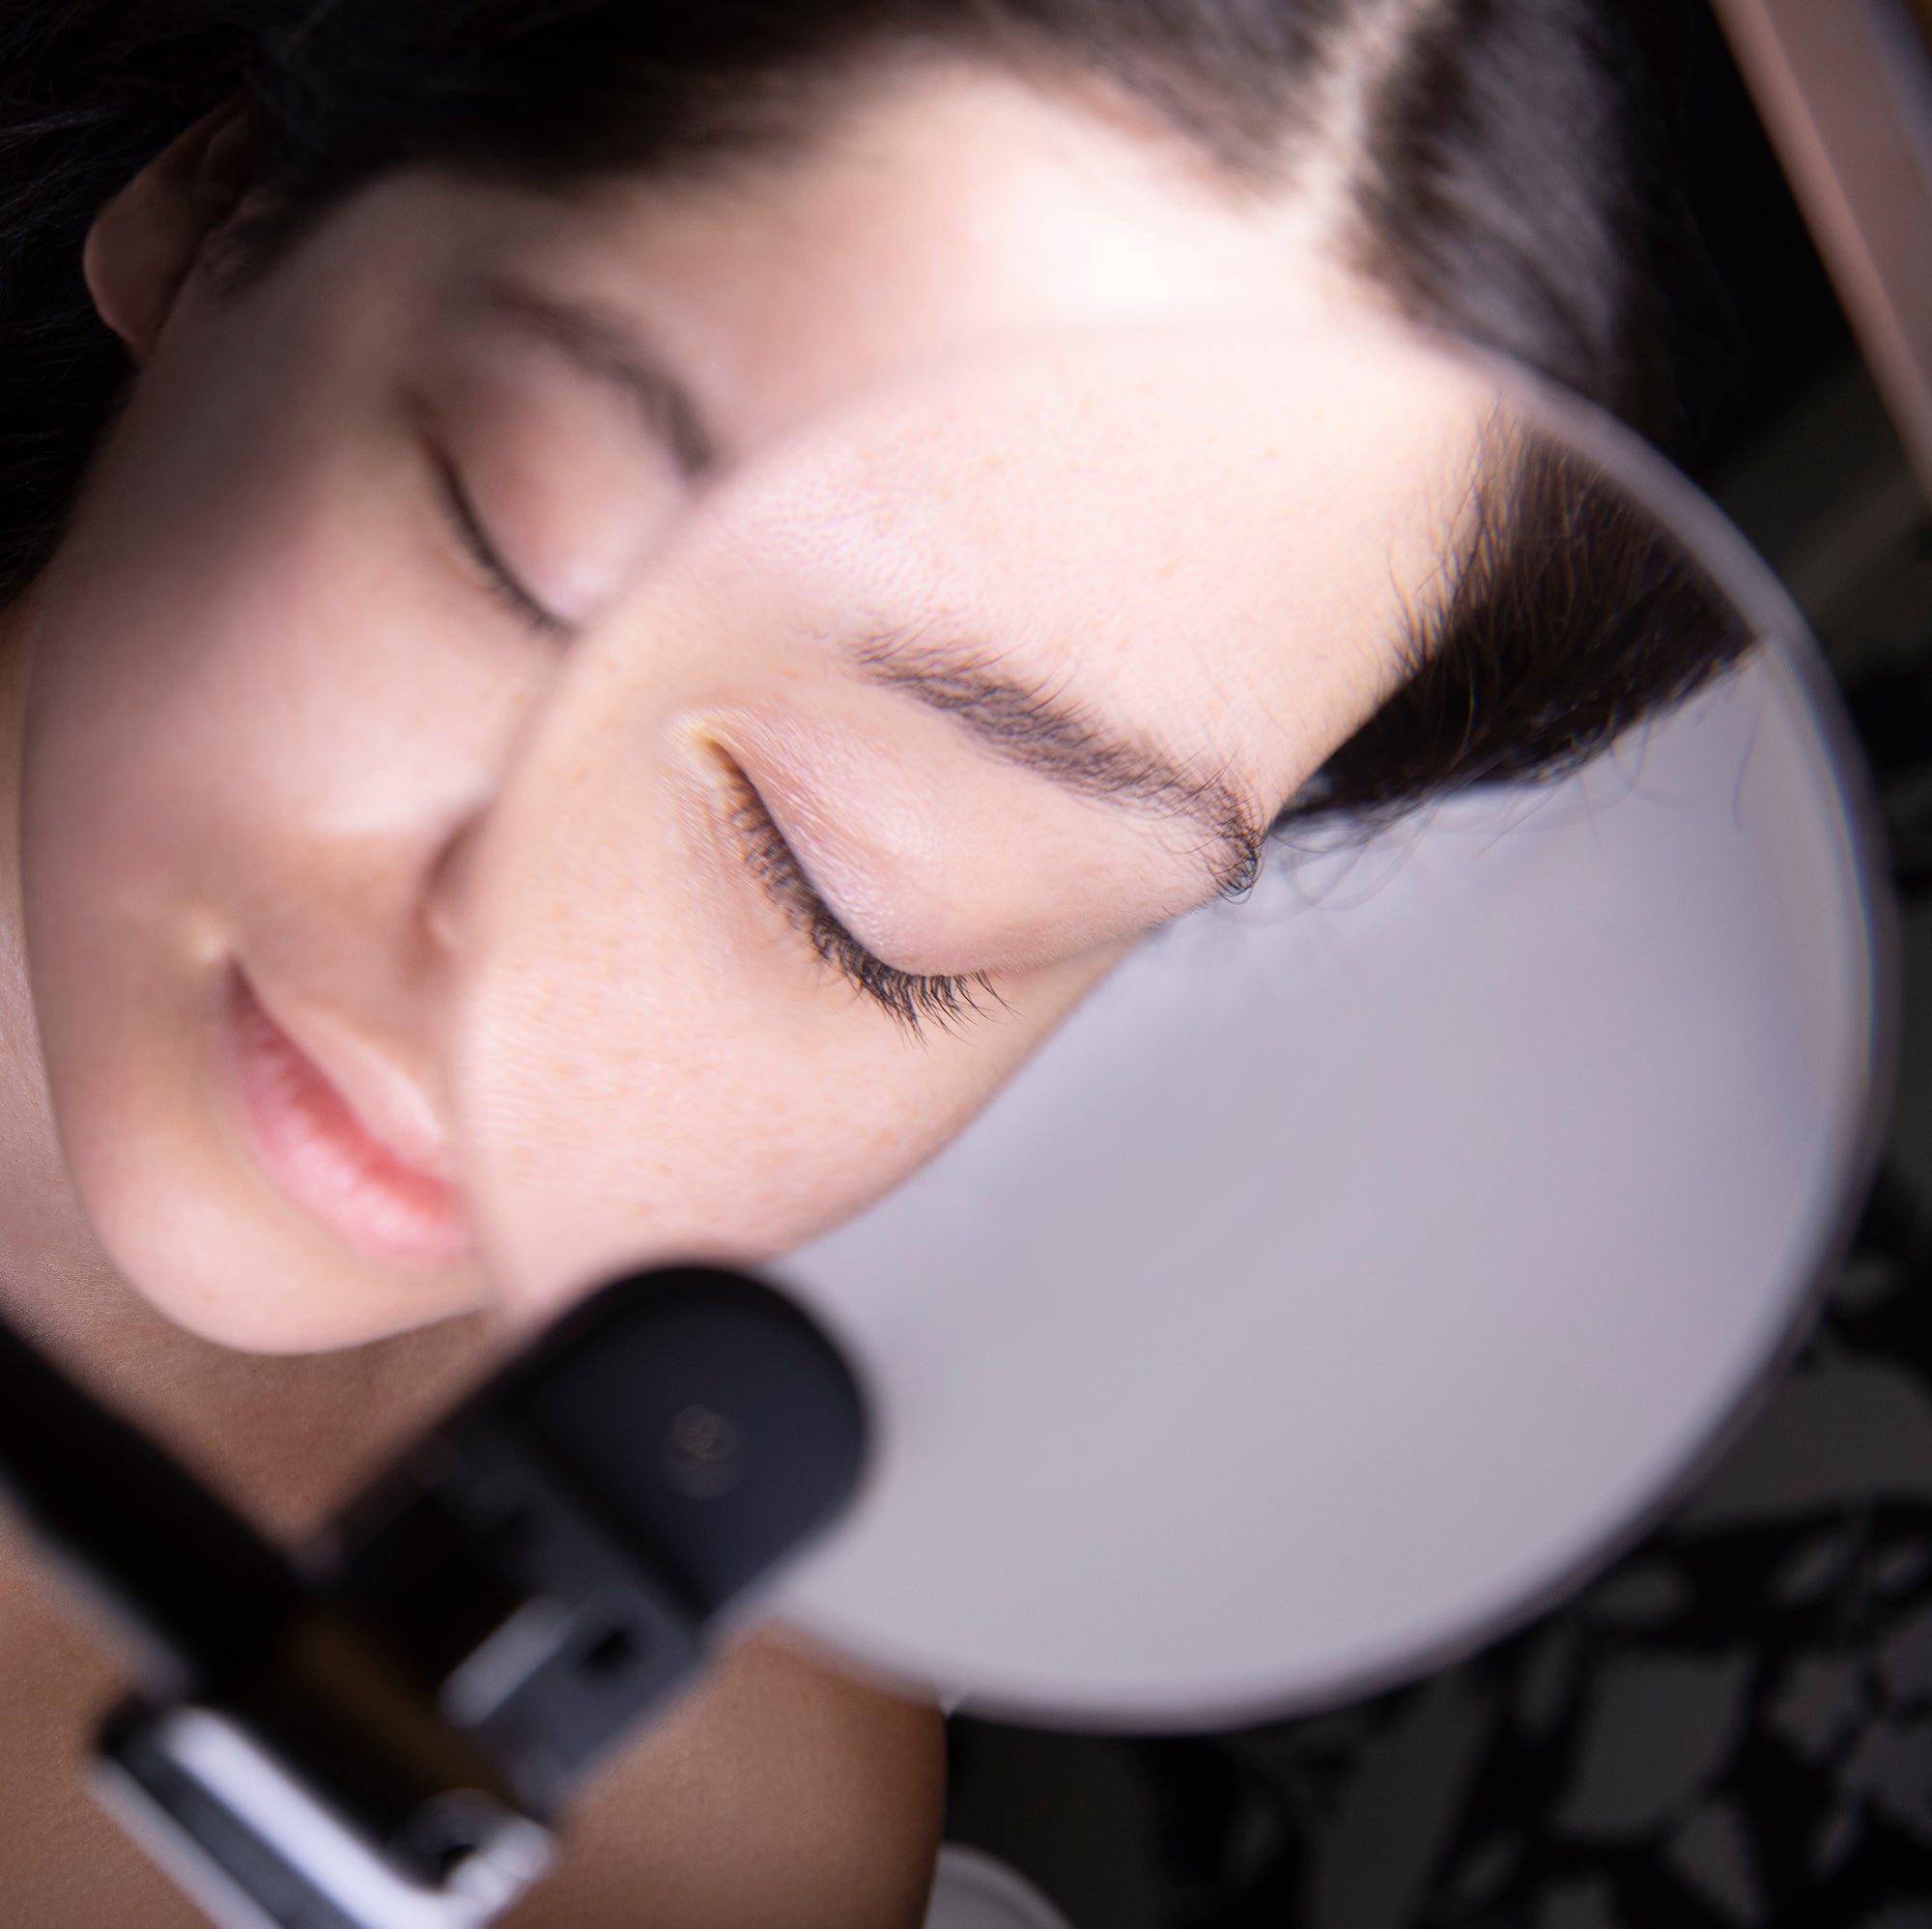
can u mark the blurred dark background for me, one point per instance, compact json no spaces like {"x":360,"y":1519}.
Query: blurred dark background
{"x":1754,"y":317}
{"x":1733,"y":1726}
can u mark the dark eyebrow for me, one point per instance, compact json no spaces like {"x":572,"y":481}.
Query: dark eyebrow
{"x":1045,"y":731}
{"x":610,"y":350}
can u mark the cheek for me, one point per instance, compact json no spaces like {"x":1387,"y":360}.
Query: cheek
{"x":680,"y":1127}
{"x":593,"y":1165}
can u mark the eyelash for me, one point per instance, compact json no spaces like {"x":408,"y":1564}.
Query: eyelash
{"x":497,"y":576}
{"x":911,"y":999}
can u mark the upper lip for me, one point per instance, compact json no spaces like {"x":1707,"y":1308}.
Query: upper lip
{"x":386,"y":1100}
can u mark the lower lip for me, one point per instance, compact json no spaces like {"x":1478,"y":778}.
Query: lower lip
{"x":316,"y":1151}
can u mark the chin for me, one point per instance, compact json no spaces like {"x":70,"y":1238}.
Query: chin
{"x":311,"y":1317}
{"x":237,"y":1276}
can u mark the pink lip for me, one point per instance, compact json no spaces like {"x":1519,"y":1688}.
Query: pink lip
{"x":321,"y":1155}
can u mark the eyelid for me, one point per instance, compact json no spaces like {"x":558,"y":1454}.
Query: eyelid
{"x":498,"y":577}
{"x":908,"y":998}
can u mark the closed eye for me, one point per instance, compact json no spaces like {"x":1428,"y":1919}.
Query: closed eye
{"x":911,"y":999}
{"x":499,"y":580}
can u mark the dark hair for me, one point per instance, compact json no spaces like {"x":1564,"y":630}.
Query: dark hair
{"x":1486,"y":169}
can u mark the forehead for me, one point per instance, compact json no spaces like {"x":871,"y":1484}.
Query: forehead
{"x":934,"y":213}
{"x":1223,"y":525}
{"x":1216,"y":538}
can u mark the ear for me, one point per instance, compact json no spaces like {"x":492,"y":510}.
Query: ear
{"x":147,"y":240}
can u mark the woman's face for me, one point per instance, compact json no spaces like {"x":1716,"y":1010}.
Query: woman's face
{"x":559,"y":737}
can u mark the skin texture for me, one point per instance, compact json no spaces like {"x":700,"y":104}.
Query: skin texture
{"x":276,"y":742}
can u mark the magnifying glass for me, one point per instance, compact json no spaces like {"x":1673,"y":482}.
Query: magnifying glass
{"x":1240,"y":1316}
{"x":1366,"y":1259}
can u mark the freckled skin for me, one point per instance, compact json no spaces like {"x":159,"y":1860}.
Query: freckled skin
{"x":267,"y":712}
